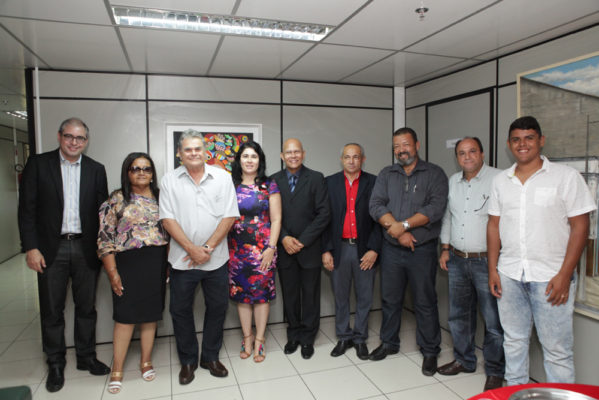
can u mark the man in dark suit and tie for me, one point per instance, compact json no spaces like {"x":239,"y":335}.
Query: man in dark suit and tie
{"x":351,"y":244}
{"x":305,"y":216}
{"x":60,"y":194}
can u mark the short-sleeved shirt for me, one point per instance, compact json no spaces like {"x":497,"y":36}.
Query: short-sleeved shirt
{"x":533,"y":224}
{"x":424,"y":191}
{"x":198,"y":209}
{"x":466,"y":217}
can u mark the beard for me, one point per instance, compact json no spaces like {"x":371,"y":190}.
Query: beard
{"x":406,"y":161}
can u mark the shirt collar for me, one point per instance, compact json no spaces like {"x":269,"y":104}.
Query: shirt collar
{"x":182,"y":170}
{"x":355,"y":180}
{"x":421,"y":165}
{"x":298,"y":173}
{"x":64,"y":160}
{"x":511,"y":172}
{"x":478,"y":176}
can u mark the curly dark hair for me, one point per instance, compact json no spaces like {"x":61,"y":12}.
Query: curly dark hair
{"x":236,"y":166}
{"x":126,"y":184}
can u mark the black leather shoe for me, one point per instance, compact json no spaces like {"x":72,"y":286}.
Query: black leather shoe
{"x":291,"y":347}
{"x":429,"y":365}
{"x":186,"y":374}
{"x":341,"y":346}
{"x":55,"y":380}
{"x":93,"y":365}
{"x":381,"y":352}
{"x":493,"y":382}
{"x":307,"y":351}
{"x":453,"y":368}
{"x":361,"y":351}
{"x":216,"y":368}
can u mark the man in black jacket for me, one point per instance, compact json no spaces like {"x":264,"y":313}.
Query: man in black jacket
{"x":305,"y":216}
{"x":60,"y":194}
{"x":351,"y":245}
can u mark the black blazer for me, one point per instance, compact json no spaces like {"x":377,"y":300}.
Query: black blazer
{"x":305,"y":215}
{"x":41,"y":205}
{"x":369,"y":231}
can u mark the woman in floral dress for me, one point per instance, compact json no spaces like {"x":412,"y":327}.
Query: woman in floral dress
{"x":253,"y":246}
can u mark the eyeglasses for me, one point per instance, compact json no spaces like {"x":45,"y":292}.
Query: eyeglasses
{"x":77,"y":139}
{"x":139,"y":170}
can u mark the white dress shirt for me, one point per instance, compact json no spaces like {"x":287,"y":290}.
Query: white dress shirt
{"x":533,"y":224}
{"x":71,"y":178}
{"x":465,"y":219}
{"x":198,"y":208}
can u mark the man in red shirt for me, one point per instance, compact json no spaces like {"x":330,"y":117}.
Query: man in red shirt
{"x":351,"y":244}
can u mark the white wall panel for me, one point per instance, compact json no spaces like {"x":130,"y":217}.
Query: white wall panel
{"x":10,"y":243}
{"x":339,"y":95}
{"x":451,"y":85}
{"x":115,"y":129}
{"x":165,"y":113}
{"x":91,"y":85}
{"x":416,"y":119}
{"x":163,"y":87}
{"x":323,"y":131}
{"x":469,"y":116}
{"x":574,"y":45}
{"x":508,"y":112}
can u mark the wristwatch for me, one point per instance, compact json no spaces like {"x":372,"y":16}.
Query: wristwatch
{"x":406,"y":224}
{"x":210,"y":249}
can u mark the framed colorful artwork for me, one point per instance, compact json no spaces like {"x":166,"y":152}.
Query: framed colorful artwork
{"x":220,"y":140}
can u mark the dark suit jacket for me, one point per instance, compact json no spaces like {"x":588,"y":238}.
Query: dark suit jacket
{"x":305,"y":215}
{"x":369,"y":231}
{"x":41,"y":204}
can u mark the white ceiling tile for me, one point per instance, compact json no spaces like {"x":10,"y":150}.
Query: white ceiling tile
{"x":82,"y":11}
{"x":402,"y":67}
{"x":331,"y":63}
{"x":205,"y":6}
{"x":502,"y":24}
{"x":268,"y":57}
{"x":160,"y":51}
{"x":442,"y":71}
{"x":393,"y":24}
{"x":329,"y":12}
{"x":14,"y":55}
{"x":71,"y":46}
{"x":550,"y":34}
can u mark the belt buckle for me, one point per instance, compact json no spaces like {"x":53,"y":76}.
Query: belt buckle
{"x":466,"y":254}
{"x":352,"y":241}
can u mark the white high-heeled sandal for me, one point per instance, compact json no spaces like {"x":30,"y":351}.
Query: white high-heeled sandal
{"x":115,"y":386}
{"x":150,"y":374}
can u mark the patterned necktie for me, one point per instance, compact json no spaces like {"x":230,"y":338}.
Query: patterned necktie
{"x":292,"y":182}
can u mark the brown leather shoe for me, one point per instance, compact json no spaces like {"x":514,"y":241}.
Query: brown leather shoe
{"x":493,"y":382}
{"x":186,"y":374}
{"x":216,"y":368}
{"x":453,"y":368}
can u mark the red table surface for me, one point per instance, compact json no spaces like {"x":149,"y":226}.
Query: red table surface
{"x":505,"y":392}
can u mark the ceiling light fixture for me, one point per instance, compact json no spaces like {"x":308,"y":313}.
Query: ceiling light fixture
{"x":223,"y":24}
{"x":421,"y":11}
{"x":18,"y":114}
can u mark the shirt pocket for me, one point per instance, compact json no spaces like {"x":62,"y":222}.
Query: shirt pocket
{"x":216,"y":206}
{"x":545,"y":196}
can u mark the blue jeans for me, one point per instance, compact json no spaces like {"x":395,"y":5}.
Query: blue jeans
{"x":400,"y":266}
{"x":469,"y":285}
{"x":215,"y":285}
{"x":521,"y":305}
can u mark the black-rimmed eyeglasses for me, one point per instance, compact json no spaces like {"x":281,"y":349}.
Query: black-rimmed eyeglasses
{"x":139,"y":170}
{"x":77,"y":139}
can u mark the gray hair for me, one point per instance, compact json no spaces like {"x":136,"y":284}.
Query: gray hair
{"x":73,"y":121}
{"x":362,"y":153}
{"x":189,"y":133}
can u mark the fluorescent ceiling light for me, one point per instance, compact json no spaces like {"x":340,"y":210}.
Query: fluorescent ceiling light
{"x":18,"y":114}
{"x":224,"y":24}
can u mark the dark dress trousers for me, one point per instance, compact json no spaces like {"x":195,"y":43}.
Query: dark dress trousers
{"x":305,"y":216}
{"x":41,"y":203}
{"x":368,"y":238}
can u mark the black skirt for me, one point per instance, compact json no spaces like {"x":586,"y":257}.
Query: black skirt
{"x":143,"y":275}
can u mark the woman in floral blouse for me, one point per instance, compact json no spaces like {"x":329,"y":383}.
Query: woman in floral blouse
{"x":133,"y":247}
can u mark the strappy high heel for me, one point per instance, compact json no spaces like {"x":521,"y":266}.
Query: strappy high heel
{"x":260,"y":355}
{"x":246,"y":351}
{"x":114,"y":386}
{"x":149,"y":374}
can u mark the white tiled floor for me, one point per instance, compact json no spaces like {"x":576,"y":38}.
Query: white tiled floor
{"x":279,"y":377}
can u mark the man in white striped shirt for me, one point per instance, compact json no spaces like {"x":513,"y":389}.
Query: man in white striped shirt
{"x":60,"y":194}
